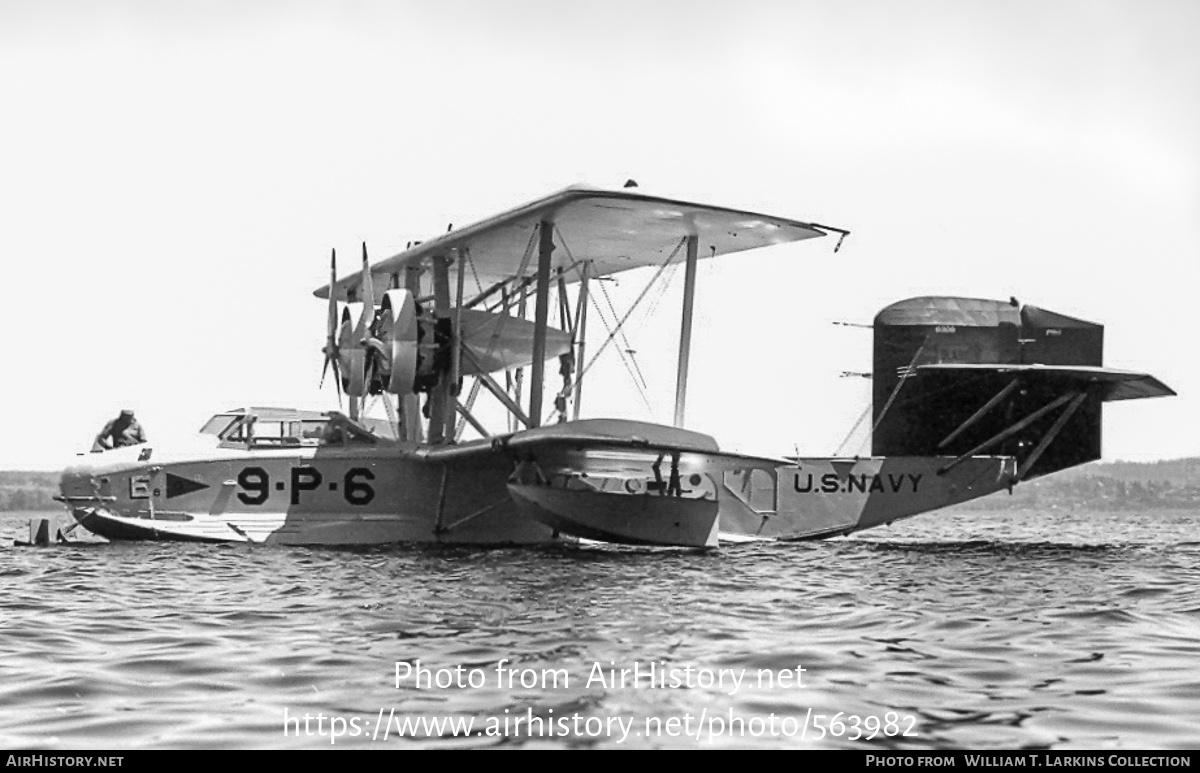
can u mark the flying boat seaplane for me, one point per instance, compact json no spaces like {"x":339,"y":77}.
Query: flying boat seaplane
{"x":970,"y":397}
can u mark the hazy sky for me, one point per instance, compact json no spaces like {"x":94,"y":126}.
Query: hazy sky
{"x":172,"y":176}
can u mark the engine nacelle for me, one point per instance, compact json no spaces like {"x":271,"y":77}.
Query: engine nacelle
{"x":396,"y":326}
{"x":352,"y":358}
{"x":406,"y":349}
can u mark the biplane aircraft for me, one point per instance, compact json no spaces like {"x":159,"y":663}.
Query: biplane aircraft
{"x":969,"y":397}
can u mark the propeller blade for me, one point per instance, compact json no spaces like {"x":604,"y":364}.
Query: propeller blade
{"x":331,"y":318}
{"x":368,"y":298}
{"x":360,"y":360}
{"x":331,"y":328}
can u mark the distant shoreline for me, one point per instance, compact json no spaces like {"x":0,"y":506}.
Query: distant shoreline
{"x":22,"y":490}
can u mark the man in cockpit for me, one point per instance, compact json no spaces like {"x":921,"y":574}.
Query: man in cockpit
{"x":121,"y":431}
{"x":340,"y":430}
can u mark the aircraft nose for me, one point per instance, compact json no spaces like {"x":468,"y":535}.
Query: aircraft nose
{"x":82,"y":484}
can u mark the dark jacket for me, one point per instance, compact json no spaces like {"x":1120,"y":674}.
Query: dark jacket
{"x":121,"y":431}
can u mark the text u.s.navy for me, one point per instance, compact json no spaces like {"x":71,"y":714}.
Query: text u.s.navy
{"x":832,"y":483}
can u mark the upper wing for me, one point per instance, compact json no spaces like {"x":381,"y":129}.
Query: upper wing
{"x":615,"y":230}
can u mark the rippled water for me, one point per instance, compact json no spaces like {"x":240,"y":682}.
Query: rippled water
{"x":964,"y":630}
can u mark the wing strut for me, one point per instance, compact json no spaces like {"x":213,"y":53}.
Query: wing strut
{"x":410,"y":403}
{"x":456,"y":362}
{"x":581,"y":309}
{"x":979,"y":414}
{"x":1052,"y":433}
{"x":621,"y":323}
{"x":465,"y":412}
{"x":467,"y":406}
{"x":1014,"y":429}
{"x":541,"y":317}
{"x":499,"y":392}
{"x":440,"y":396}
{"x":685,"y":332}
{"x":518,"y":378}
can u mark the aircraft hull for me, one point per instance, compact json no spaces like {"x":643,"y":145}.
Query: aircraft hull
{"x":373,"y":496}
{"x":824,"y":497}
{"x":614,"y":481}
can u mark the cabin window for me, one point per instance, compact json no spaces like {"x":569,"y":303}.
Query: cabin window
{"x":239,"y":431}
{"x":310,"y":431}
{"x":287,"y":432}
{"x":273,"y":433}
{"x":218,"y":425}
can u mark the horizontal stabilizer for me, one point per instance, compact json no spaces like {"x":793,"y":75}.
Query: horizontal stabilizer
{"x":1114,"y":384}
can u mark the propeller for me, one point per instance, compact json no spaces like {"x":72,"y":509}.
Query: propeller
{"x":331,"y":331}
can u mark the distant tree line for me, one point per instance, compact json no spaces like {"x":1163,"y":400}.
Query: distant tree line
{"x":1101,"y":492}
{"x":24,"y":490}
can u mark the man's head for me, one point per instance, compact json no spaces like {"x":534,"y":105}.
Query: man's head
{"x":126,"y":413}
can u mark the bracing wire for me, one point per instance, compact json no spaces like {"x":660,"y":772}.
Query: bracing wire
{"x":625,"y":354}
{"x":905,"y":374}
{"x":614,"y":332}
{"x":861,"y":418}
{"x":628,"y":348}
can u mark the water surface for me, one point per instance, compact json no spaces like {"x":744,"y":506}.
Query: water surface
{"x":956,"y":630}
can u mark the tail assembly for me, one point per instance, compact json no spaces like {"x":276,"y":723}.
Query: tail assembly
{"x":963,"y":377}
{"x":970,"y":397}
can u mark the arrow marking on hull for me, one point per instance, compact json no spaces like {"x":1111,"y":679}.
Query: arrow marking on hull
{"x":178,"y":486}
